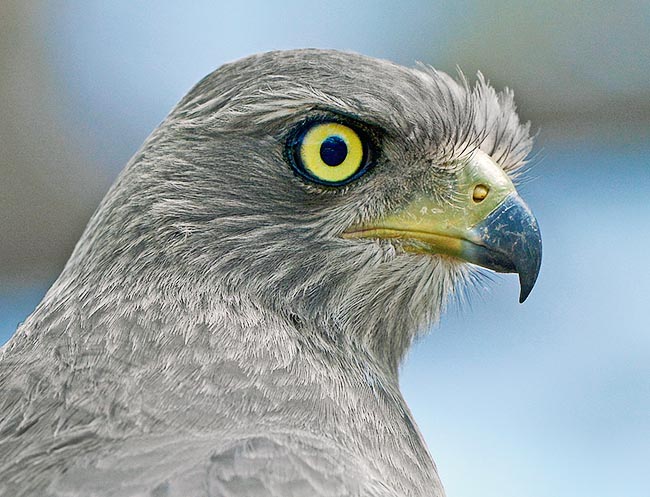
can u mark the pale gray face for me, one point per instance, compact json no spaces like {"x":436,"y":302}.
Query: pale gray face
{"x":214,"y":201}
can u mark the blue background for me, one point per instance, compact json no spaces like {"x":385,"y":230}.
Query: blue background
{"x":548,"y":398}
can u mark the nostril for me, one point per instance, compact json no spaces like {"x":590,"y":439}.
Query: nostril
{"x":480,"y":192}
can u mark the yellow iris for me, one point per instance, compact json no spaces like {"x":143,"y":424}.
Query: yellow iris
{"x":325,"y":142}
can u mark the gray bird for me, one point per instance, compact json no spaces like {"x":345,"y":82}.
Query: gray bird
{"x":233,"y":319}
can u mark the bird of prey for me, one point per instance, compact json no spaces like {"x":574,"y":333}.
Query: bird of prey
{"x":232,"y":320}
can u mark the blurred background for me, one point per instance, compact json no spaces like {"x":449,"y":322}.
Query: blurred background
{"x":549,"y":398}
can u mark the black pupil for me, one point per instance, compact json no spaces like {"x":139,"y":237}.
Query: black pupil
{"x":333,"y":150}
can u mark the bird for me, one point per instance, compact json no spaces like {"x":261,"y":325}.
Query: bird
{"x":233,"y":318}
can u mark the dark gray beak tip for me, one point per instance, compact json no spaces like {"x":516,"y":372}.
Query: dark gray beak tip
{"x":529,"y":261}
{"x":525,"y":247}
{"x":511,"y":242}
{"x":528,"y":276}
{"x":524,"y":291}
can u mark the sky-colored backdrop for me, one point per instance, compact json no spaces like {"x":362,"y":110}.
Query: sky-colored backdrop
{"x":546,"y":399}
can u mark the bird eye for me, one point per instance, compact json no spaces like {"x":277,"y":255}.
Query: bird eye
{"x":329,"y":153}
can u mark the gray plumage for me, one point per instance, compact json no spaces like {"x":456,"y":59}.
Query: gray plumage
{"x":212,"y":334}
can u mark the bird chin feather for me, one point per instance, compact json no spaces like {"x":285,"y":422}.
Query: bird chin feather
{"x":393,"y":296}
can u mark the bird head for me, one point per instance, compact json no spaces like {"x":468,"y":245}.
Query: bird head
{"x":348,"y":194}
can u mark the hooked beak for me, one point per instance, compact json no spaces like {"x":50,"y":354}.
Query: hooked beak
{"x":489,"y":225}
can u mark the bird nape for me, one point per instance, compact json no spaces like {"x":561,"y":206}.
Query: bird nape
{"x":232,"y":320}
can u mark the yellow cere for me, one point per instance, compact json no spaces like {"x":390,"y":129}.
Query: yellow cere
{"x":311,"y":157}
